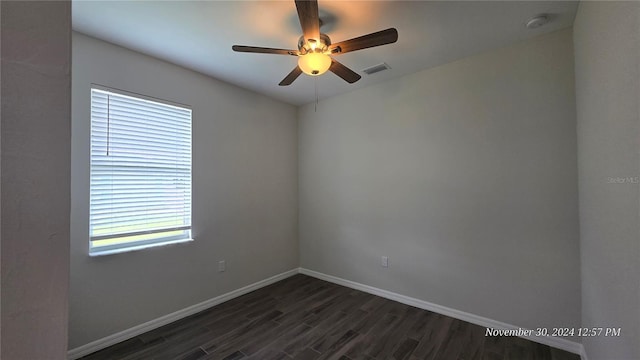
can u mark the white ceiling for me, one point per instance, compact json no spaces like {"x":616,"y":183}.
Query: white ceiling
{"x":199,"y":35}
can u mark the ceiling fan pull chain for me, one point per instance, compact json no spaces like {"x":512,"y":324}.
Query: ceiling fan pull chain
{"x":315,"y":83}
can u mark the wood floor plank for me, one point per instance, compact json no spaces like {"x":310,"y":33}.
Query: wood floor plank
{"x":310,"y":292}
{"x":305,"y":318}
{"x":304,"y":342}
{"x":434,"y":335}
{"x":270,"y":354}
{"x":177,"y":347}
{"x":122,"y":349}
{"x":380,"y":339}
{"x":275,"y":338}
{"x":275,"y":348}
{"x":307,"y":354}
{"x":298,"y":309}
{"x":355,"y":300}
{"x":192,"y":355}
{"x":461,"y":342}
{"x":494,"y":348}
{"x":169,"y":349}
{"x":395,"y":335}
{"x":320,"y":313}
{"x":234,"y":340}
{"x":420,"y":326}
{"x":338,"y":348}
{"x":237,"y":355}
{"x":323,"y":343}
{"x":518,"y":349}
{"x":474,"y":338}
{"x":368,"y":322}
{"x":404,"y":349}
{"x":373,"y":303}
{"x":540,"y":352}
{"x":366,"y":343}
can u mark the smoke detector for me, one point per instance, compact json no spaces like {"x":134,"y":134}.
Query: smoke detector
{"x":537,"y":21}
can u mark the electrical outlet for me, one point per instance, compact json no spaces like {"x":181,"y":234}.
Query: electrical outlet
{"x":222,"y":266}
{"x":385,"y":261}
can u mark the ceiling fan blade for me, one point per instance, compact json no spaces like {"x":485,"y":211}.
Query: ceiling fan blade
{"x":309,"y":18}
{"x":383,"y":37}
{"x":263,"y":50}
{"x":289,"y":79}
{"x":344,"y":72}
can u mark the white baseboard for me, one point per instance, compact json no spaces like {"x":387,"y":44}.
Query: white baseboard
{"x":100,"y":344}
{"x":556,"y":342}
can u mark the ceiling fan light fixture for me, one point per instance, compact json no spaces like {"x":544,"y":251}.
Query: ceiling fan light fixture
{"x":314,"y":63}
{"x":315,"y":48}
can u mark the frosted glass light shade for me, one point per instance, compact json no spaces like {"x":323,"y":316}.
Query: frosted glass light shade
{"x":314,"y":63}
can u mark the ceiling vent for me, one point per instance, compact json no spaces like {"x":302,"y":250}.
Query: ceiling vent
{"x":376,"y":68}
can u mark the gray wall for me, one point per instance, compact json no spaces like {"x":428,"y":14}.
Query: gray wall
{"x":36,"y":108}
{"x":464,"y":175}
{"x":607,"y":58}
{"x":244,"y":196}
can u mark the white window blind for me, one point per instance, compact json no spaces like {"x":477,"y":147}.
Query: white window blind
{"x":140,"y":187}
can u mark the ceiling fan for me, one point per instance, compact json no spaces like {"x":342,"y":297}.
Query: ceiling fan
{"x":315,"y":49}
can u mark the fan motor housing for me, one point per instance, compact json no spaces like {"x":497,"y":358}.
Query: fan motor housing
{"x":323,"y":45}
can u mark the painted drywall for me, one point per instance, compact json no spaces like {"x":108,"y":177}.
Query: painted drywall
{"x":244,"y":196}
{"x":35,"y":166}
{"x":464,"y":175}
{"x":607,"y":72}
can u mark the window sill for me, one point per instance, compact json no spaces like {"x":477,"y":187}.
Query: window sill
{"x":96,"y":253}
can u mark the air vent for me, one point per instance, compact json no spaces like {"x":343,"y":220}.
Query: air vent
{"x":376,"y":68}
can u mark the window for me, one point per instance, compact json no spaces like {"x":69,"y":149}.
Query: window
{"x":140,"y":187}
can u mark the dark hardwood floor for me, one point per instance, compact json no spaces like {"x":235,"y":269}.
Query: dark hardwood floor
{"x":305,"y":318}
